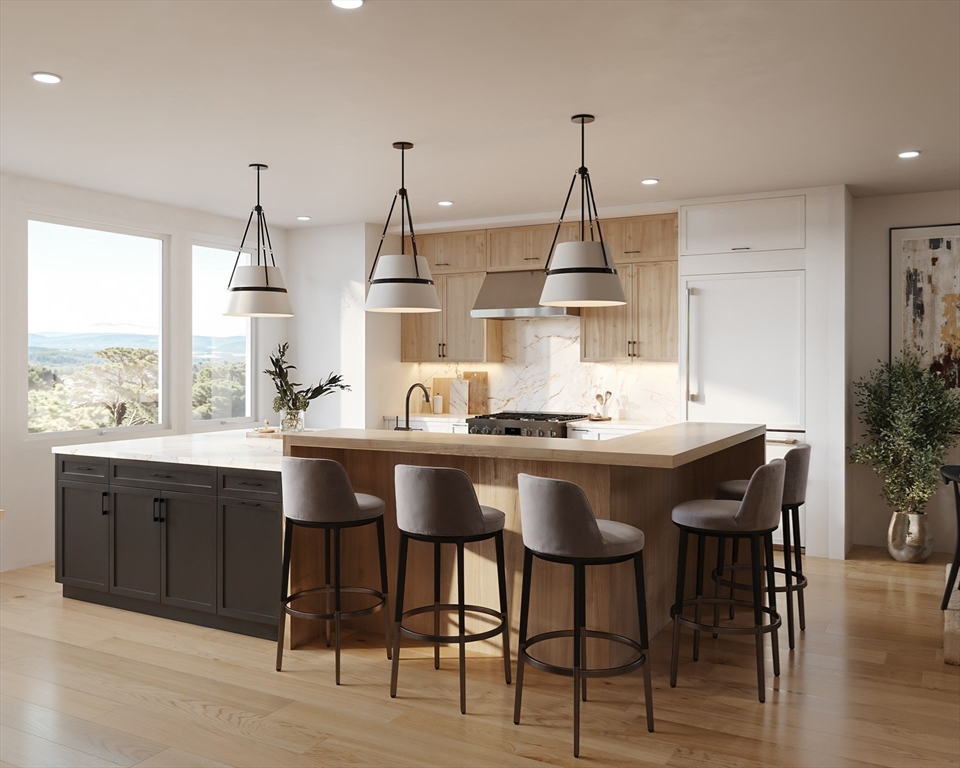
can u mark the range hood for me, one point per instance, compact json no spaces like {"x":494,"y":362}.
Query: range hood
{"x":507,"y":295}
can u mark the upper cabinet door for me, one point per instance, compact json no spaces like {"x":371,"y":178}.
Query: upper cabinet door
{"x":768,"y":224}
{"x":464,"y":338}
{"x":420,"y":334}
{"x":606,"y":333}
{"x":656,"y":311}
{"x":453,"y":251}
{"x":525,"y":247}
{"x":647,"y":238}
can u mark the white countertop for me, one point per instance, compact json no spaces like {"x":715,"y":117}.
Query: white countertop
{"x":214,"y":449}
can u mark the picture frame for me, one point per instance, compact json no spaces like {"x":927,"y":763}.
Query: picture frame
{"x":924,"y":296}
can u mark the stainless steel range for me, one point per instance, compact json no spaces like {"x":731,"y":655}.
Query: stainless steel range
{"x":527,"y":424}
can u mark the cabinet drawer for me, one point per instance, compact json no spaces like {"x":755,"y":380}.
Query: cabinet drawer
{"x":768,"y":224}
{"x":249,"y":484}
{"x":174,"y":477}
{"x":82,"y":468}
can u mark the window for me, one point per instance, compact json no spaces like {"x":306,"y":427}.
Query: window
{"x":94,"y":318}
{"x":221,"y":345}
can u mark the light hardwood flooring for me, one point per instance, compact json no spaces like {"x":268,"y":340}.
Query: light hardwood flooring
{"x":85,"y":685}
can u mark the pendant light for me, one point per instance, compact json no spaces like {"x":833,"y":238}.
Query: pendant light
{"x":401,"y":282}
{"x":581,"y":274}
{"x":257,"y":290}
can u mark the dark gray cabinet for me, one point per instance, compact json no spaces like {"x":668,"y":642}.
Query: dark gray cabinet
{"x":196,"y":544}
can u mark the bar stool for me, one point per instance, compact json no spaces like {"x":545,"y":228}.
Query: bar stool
{"x":951,"y":474}
{"x":317,"y":494}
{"x":794,"y":496}
{"x":755,"y":518}
{"x":438,"y":505}
{"x":559,"y":526}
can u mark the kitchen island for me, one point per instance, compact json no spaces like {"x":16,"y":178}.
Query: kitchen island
{"x":635,"y":479}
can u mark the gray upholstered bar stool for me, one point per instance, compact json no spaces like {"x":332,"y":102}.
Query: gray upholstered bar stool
{"x":438,"y":505}
{"x":755,"y":518}
{"x":317,"y":494}
{"x":794,"y":496}
{"x":559,"y":526}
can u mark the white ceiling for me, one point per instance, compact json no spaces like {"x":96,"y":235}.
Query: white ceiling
{"x":170,"y":100}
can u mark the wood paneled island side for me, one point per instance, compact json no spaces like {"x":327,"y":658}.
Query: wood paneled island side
{"x":635,"y":479}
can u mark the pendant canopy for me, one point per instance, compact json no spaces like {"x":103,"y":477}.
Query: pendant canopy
{"x":581,"y":274}
{"x":257,"y":290}
{"x":401,"y":282}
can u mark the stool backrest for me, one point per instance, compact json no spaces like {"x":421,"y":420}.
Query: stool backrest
{"x":795,"y":481}
{"x":436,"y":501}
{"x":317,"y":491}
{"x":761,"y":505}
{"x":556,"y":518}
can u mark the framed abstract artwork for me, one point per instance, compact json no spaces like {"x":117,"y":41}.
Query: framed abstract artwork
{"x":925,"y":297}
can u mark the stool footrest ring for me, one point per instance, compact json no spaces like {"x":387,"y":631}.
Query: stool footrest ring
{"x":381,"y":601}
{"x":720,"y":629}
{"x":451,"y":639}
{"x":799,"y":578}
{"x":556,"y":669}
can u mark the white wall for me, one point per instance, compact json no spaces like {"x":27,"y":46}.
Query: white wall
{"x":26,"y":464}
{"x":867,"y":513}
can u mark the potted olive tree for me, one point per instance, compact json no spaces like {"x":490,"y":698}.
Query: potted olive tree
{"x":292,"y":401}
{"x":910,"y":418}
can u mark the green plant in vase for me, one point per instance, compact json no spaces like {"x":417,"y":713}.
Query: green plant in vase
{"x":911,"y":418}
{"x":290,"y":400}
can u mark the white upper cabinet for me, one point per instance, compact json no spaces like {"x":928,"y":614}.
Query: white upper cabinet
{"x":770,"y":224}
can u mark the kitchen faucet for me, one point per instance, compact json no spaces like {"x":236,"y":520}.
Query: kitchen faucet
{"x":426,"y":397}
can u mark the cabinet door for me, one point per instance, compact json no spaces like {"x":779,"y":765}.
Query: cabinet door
{"x":647,"y":238}
{"x":768,"y":224}
{"x":525,"y":247}
{"x":250,"y":554}
{"x":606,"y":333}
{"x":135,"y":543}
{"x":656,"y":314}
{"x":83,"y":535}
{"x":464,"y":338}
{"x":420,"y":334}
{"x":453,"y":251}
{"x":188,"y":551}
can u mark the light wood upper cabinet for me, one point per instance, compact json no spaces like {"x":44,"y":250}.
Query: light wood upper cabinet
{"x":453,"y":251}
{"x":643,"y":329}
{"x":451,"y":335}
{"x":642,"y":238}
{"x":525,"y":247}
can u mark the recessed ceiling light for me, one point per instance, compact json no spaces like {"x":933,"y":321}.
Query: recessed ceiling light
{"x":650,"y":182}
{"x":46,"y":77}
{"x":303,"y":218}
{"x":909,"y":153}
{"x":348,"y":4}
{"x":445,"y":202}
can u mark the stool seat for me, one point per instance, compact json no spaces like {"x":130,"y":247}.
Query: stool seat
{"x":708,"y":515}
{"x":732,"y":490}
{"x":370,"y":506}
{"x":619,"y":538}
{"x":493,"y":519}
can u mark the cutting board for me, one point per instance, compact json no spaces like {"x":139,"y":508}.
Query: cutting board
{"x":479,"y":390}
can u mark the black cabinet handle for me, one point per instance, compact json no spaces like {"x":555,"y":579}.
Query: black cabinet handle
{"x":156,"y":513}
{"x":84,"y":469}
{"x":253,"y":485}
{"x":104,"y":504}
{"x":160,"y":474}
{"x":742,"y":248}
{"x":163,"y":503}
{"x":248,"y":503}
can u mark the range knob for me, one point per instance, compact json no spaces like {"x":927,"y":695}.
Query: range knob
{"x":527,"y":432}
{"x":539,"y":433}
{"x":485,"y":431}
{"x":474,"y":430}
{"x":497,"y":431}
{"x":553,"y":433}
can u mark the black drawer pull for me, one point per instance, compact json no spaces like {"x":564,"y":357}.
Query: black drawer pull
{"x":254,"y":485}
{"x":160,"y":474}
{"x":741,"y":248}
{"x":248,"y":503}
{"x":84,"y":469}
{"x":104,"y":504}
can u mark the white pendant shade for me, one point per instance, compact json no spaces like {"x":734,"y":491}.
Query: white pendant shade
{"x":579,"y":277}
{"x":258,"y":292}
{"x":396,"y":286}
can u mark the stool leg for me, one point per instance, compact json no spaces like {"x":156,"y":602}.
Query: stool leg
{"x":772,"y":600}
{"x":799,"y":570}
{"x":522,"y":643}
{"x":788,"y":575}
{"x":955,"y":566}
{"x":326,"y":580}
{"x":504,"y":613}
{"x":721,"y":551}
{"x":398,"y":611}
{"x":734,"y":559}
{"x":701,"y":541}
{"x":755,"y":570}
{"x":436,"y":602}
{"x":577,"y":603}
{"x":336,"y":596}
{"x":384,"y":585}
{"x":644,"y":640}
{"x":284,"y":586}
{"x":678,"y":607}
{"x":461,"y":615}
{"x":583,"y":634}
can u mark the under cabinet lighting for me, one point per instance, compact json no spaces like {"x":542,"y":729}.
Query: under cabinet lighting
{"x":908,"y":154}
{"x":47,"y":77}
{"x":650,"y":182}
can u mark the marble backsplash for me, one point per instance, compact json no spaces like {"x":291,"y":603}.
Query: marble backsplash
{"x":541,"y":371}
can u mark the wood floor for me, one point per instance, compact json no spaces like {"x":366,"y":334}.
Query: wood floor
{"x":84,"y":685}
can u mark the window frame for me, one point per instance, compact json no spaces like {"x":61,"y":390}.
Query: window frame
{"x":234,"y":422}
{"x":164,"y":379}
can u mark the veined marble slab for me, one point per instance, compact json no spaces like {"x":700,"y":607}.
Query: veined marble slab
{"x":213,"y":449}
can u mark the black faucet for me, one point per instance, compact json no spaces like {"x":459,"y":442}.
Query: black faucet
{"x":426,"y":396}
